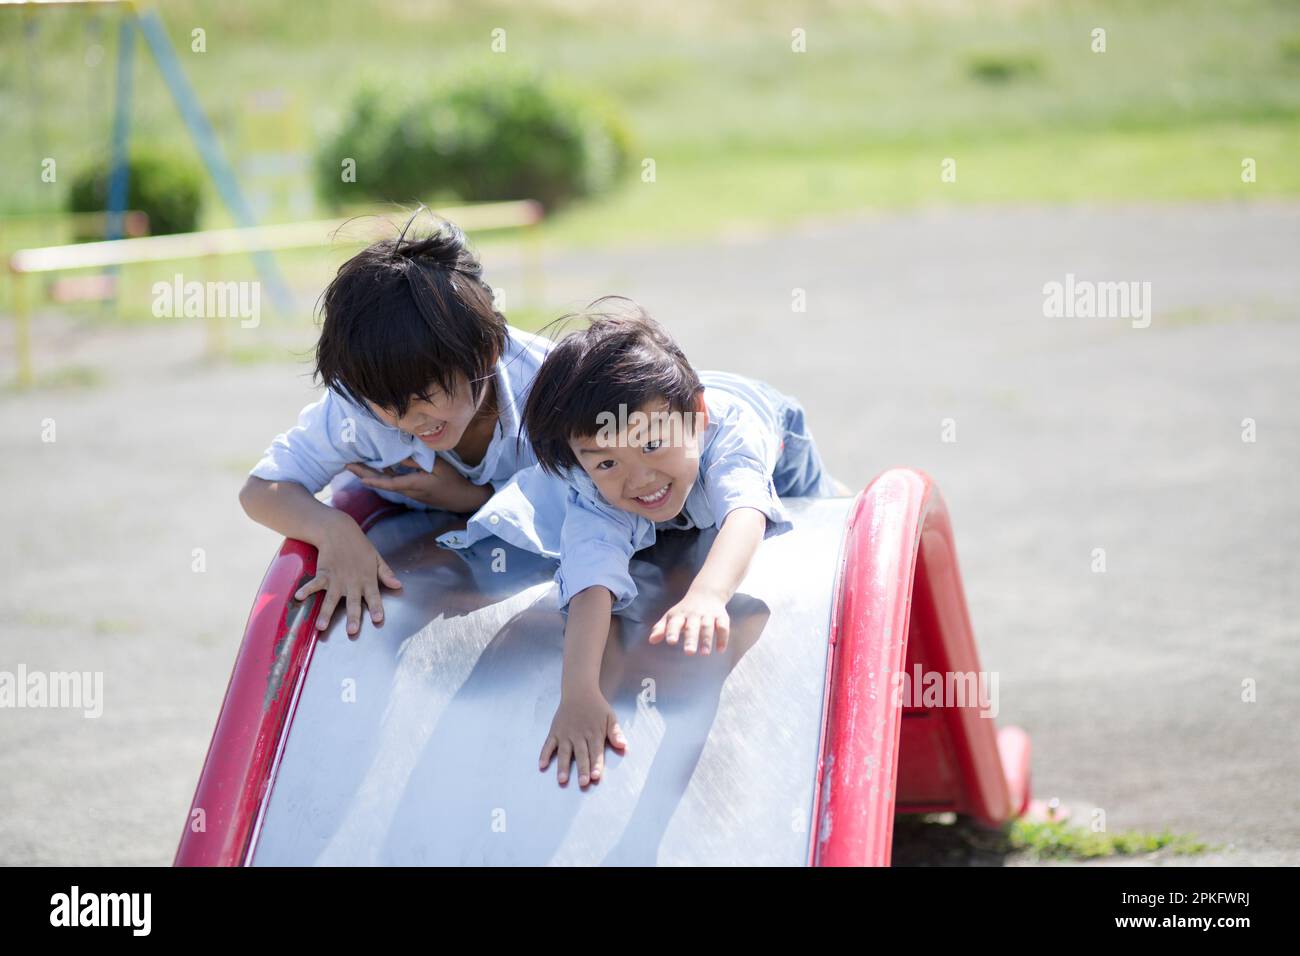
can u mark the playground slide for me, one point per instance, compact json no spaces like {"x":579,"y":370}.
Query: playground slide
{"x":416,"y":742}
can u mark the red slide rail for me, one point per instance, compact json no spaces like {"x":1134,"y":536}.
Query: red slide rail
{"x":900,"y":610}
{"x":264,"y":685}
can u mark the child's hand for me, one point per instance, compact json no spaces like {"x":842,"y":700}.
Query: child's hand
{"x":582,"y":723}
{"x":443,"y":488}
{"x":349,"y":569}
{"x":699,"y":617}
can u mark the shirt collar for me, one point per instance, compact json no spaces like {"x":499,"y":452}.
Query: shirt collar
{"x":507,"y":410}
{"x":507,"y":418}
{"x":581,"y":481}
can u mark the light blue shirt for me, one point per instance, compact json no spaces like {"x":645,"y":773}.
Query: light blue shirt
{"x":568,"y":519}
{"x":333,"y":432}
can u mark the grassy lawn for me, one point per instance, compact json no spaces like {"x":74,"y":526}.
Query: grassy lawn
{"x":690,"y":198}
{"x":744,"y":132}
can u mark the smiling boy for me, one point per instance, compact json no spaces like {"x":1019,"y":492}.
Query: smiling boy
{"x":630,"y":440}
{"x":424,"y":385}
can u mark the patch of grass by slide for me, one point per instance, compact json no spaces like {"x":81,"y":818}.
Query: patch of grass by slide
{"x":945,"y":839}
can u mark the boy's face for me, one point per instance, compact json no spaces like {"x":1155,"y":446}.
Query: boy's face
{"x":649,"y":464}
{"x":440,"y":421}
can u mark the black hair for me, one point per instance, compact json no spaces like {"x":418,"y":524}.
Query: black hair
{"x":623,"y":357}
{"x":405,"y":314}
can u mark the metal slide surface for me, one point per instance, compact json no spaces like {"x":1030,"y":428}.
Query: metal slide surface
{"x":417,"y":742}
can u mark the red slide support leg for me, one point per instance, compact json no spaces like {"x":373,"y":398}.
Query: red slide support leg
{"x":908,"y":725}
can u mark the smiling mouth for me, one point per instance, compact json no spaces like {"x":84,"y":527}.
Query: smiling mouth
{"x":655,"y":499}
{"x":432,"y":434}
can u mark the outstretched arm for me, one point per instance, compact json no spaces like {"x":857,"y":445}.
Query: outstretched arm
{"x":701,"y":616}
{"x":584,"y":719}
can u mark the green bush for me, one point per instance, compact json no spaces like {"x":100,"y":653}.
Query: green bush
{"x":362,"y":138}
{"x":168,"y":188}
{"x":1003,"y":67}
{"x":484,"y":138}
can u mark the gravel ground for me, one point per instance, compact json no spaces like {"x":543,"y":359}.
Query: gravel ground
{"x":1072,"y":434}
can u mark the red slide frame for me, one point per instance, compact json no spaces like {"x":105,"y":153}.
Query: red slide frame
{"x":264,"y":686}
{"x":899,"y":604}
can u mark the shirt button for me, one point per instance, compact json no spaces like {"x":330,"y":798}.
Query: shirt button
{"x":494,"y":519}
